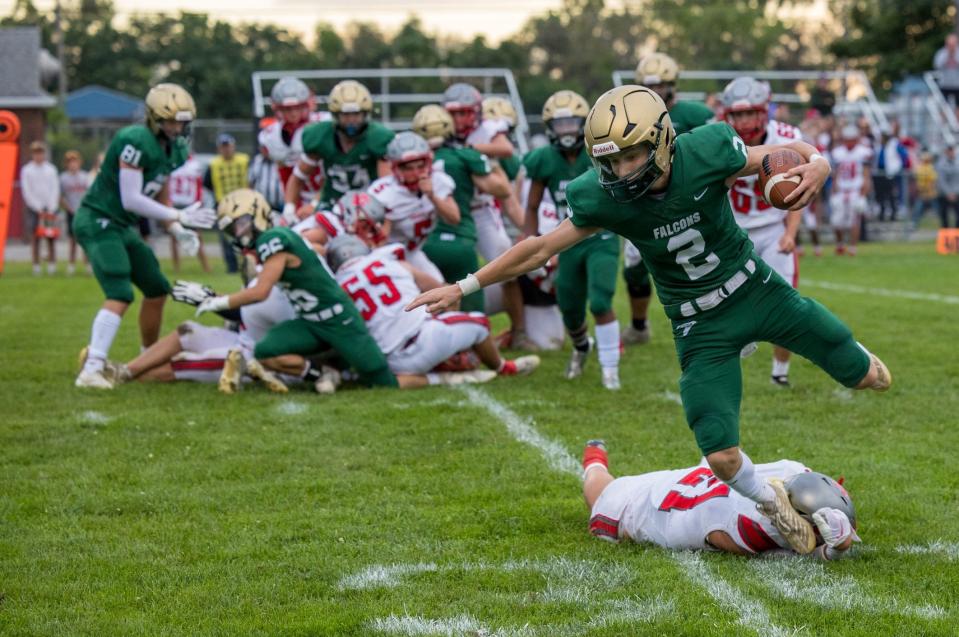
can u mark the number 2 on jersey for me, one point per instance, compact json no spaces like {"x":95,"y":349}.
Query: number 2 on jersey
{"x":696,"y":246}
{"x":363,"y":299}
{"x":695,"y":487}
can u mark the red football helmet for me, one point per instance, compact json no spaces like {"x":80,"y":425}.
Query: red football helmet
{"x":746,"y":108}
{"x":292,"y":102}
{"x":411,"y":159}
{"x":465,"y":105}
{"x":362,"y":216}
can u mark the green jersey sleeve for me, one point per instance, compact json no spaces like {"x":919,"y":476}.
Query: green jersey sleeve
{"x":689,"y":115}
{"x":711,"y":153}
{"x":587,"y":200}
{"x":476,"y":162}
{"x":271,"y":242}
{"x":378,"y":137}
{"x":511,"y":166}
{"x":133,"y":146}
{"x":313,"y":137}
{"x":535,"y":166}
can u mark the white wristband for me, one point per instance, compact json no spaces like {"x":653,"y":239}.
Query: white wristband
{"x":469,"y":285}
{"x":816,"y":157}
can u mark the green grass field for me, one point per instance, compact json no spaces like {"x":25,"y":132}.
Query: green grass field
{"x":173,"y":510}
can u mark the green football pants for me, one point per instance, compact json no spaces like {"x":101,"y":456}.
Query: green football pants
{"x":587,"y":274}
{"x":765,"y":308}
{"x":456,"y":257}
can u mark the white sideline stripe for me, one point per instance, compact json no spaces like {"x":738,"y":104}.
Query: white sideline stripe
{"x":808,"y":581}
{"x":291,"y":408}
{"x":752,"y":614}
{"x":900,"y":294}
{"x":95,"y":417}
{"x":523,"y":430}
{"x":413,"y":626}
{"x":949,"y":550}
{"x":383,"y":576}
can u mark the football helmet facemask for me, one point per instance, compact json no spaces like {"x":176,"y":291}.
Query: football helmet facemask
{"x":243,"y":215}
{"x":465,"y":104}
{"x":564,"y":115}
{"x":362,"y":215}
{"x":410,"y":158}
{"x":746,"y":108}
{"x":169,"y":102}
{"x":622,"y":122}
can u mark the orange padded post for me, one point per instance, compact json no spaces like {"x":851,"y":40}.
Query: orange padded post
{"x":9,"y":134}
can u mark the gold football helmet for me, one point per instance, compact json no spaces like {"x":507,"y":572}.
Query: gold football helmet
{"x":244,"y":214}
{"x":349,"y":96}
{"x":659,"y":72}
{"x":169,"y":102}
{"x":564,"y":114}
{"x":500,"y":108}
{"x":623,"y":120}
{"x":434,"y":124}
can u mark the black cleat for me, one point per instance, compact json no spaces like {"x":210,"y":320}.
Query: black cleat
{"x":780,"y":381}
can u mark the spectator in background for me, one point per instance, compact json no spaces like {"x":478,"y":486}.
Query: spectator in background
{"x":821,"y":98}
{"x":947,"y":172}
{"x":40,"y":188}
{"x":925,"y":188}
{"x":74,"y":183}
{"x":227,"y":172}
{"x":891,"y":161}
{"x":186,"y":188}
{"x":946,"y":62}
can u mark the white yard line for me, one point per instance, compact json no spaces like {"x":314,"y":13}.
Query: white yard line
{"x":949,"y":550}
{"x":95,"y":417}
{"x":899,"y":294}
{"x":383,"y":576}
{"x":523,"y":430}
{"x":752,"y":614}
{"x":413,"y":626}
{"x":291,"y":408}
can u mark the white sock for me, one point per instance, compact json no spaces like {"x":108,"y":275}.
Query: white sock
{"x":51,"y":268}
{"x":607,"y":343}
{"x":780,"y":368}
{"x":36,"y":269}
{"x":748,"y":484}
{"x":105,"y":327}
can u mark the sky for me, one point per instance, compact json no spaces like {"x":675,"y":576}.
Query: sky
{"x":496,"y":19}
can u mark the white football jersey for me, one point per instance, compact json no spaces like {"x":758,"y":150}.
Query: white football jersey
{"x":329,"y":221}
{"x":381,"y":288}
{"x":848,"y":165}
{"x":678,"y":509}
{"x":257,"y":319}
{"x":746,"y":198}
{"x":186,"y":184}
{"x":412,"y":214}
{"x":484,"y":134}
{"x":286,"y":155}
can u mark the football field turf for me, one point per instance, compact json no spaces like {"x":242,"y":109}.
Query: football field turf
{"x":173,"y":510}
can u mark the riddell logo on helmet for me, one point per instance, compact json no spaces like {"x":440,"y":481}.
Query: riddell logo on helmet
{"x":605,"y":149}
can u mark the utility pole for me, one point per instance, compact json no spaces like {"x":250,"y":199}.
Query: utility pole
{"x":62,"y":76}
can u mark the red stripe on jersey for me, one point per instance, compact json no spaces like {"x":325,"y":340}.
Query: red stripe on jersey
{"x":604,"y":527}
{"x":753,"y":535}
{"x":451,"y":318}
{"x":323,"y":221}
{"x":208,"y":364}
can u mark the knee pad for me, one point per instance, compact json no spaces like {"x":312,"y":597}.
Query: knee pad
{"x":639,"y":290}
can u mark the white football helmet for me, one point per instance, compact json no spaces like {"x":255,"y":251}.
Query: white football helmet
{"x":465,"y":103}
{"x":747,"y":95}
{"x":810,"y":491}
{"x":343,"y":248}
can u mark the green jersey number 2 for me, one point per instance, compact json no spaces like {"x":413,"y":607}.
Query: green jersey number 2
{"x":688,"y":245}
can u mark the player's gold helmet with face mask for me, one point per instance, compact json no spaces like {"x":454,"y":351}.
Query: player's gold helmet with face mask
{"x":434,"y":124}
{"x":500,"y":108}
{"x":628,"y":122}
{"x":243,"y":214}
{"x":169,"y":102}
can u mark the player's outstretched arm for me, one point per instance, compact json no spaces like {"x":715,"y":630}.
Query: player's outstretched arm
{"x":523,"y":257}
{"x":265,"y":280}
{"x":813,"y":173}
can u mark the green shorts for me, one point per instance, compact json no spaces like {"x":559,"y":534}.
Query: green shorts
{"x":455,"y":257}
{"x":587,"y":273}
{"x":346,"y":333}
{"x":765,"y":308}
{"x":119,"y":257}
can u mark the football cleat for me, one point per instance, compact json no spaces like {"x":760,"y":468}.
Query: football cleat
{"x":748,"y":349}
{"x":466,"y":378}
{"x":522,"y":366}
{"x":233,"y":369}
{"x":119,"y":373}
{"x":795,"y":529}
{"x":519,"y":339}
{"x":780,"y":381}
{"x":328,"y":382}
{"x":574,"y":369}
{"x":632,"y":336}
{"x":611,"y":378}
{"x":255,"y":370}
{"x":93,"y":380}
{"x":884,"y":377}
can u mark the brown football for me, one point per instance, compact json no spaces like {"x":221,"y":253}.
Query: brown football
{"x":773,"y":182}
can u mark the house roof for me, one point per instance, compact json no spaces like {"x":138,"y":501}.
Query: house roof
{"x":20,"y":71}
{"x":99,"y":102}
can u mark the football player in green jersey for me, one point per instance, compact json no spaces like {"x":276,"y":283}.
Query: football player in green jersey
{"x":659,"y":72}
{"x":668,"y":195}
{"x":325,"y":315}
{"x":132,"y":184}
{"x":452,"y":247}
{"x":587,"y":271}
{"x":351,"y":148}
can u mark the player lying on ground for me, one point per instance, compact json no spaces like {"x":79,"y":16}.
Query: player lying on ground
{"x":381,"y":284}
{"x":668,"y":195}
{"x":132,"y":184}
{"x":690,"y":509}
